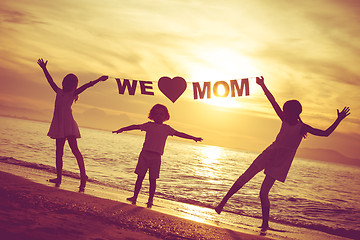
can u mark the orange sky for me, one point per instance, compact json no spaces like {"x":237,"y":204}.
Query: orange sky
{"x":308,"y":51}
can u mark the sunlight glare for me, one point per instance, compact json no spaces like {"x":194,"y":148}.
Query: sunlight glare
{"x":195,"y":213}
{"x":209,"y":157}
{"x":221,"y":90}
{"x":222,"y":102}
{"x":210,"y":154}
{"x":221,"y":64}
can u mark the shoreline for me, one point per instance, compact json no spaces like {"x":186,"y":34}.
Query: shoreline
{"x":303,"y":152}
{"x":33,"y":210}
{"x":26,"y":186}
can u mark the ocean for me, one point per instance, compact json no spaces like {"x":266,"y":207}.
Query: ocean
{"x":316,"y":195}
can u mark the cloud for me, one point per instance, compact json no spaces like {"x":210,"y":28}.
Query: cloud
{"x":308,"y":54}
{"x":17,"y":17}
{"x":100,"y":119}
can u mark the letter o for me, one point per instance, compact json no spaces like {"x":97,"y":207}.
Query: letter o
{"x":226,"y":87}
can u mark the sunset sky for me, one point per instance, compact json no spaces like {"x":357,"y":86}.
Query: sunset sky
{"x":306,"y":50}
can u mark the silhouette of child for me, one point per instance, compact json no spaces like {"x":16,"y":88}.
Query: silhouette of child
{"x":153,"y":147}
{"x":63,"y":126}
{"x":277,"y":158}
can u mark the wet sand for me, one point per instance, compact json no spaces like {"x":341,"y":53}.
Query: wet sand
{"x":31,"y":208}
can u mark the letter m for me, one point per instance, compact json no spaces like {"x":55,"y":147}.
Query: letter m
{"x":244,"y":86}
{"x":201,"y":92}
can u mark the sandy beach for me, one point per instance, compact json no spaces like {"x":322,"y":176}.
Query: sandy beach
{"x":31,"y":208}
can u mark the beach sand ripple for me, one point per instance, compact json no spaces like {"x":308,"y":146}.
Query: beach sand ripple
{"x":32,"y":211}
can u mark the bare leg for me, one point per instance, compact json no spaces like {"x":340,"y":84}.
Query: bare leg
{"x":239,"y":183}
{"x":265,"y":202}
{"x":60,"y":142}
{"x":80,"y":160}
{"x":138,"y":185}
{"x":151,"y":192}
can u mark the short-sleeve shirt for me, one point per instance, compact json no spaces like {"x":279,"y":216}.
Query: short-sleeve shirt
{"x":156,"y":135}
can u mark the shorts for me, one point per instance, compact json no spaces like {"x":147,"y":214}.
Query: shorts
{"x":149,"y":160}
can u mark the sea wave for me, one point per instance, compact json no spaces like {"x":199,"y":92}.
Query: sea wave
{"x":309,"y":208}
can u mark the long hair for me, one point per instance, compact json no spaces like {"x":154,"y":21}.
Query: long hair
{"x":70,"y":83}
{"x":160,"y":107}
{"x":293,"y":108}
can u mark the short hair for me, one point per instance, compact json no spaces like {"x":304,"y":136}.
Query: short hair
{"x":159,"y":107}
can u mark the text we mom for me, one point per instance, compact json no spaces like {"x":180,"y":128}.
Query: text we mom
{"x":174,"y":88}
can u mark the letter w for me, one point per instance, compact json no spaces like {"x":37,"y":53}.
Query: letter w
{"x":131,"y":87}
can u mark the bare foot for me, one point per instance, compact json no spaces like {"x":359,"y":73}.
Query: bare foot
{"x":83,"y":183}
{"x":56,"y":181}
{"x":149,"y":204}
{"x":219,"y":208}
{"x":132,"y":200}
{"x":263,"y":230}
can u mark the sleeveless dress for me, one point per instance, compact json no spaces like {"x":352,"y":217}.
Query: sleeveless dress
{"x":277,"y":158}
{"x":63,"y":124}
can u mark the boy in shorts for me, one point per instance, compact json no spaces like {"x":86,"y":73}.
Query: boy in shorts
{"x":153,"y":147}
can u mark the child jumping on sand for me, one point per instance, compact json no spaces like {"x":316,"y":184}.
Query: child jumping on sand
{"x":63,"y":126}
{"x":277,"y":158}
{"x":153,"y":147}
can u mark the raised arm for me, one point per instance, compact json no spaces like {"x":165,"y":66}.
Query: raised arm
{"x":325,"y":133}
{"x":187,"y":136}
{"x":270,"y":97}
{"x":89,"y":84}
{"x":43,"y":64}
{"x":128,"y":128}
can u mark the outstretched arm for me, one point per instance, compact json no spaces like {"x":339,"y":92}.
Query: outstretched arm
{"x":270,"y":97}
{"x":43,"y":64}
{"x":89,"y":84}
{"x":128,"y":128}
{"x":325,"y":133}
{"x":187,"y":136}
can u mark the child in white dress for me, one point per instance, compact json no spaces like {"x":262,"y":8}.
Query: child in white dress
{"x":153,"y":148}
{"x":63,"y":126}
{"x":277,"y":158}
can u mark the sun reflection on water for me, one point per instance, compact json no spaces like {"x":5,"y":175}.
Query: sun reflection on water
{"x":196,"y":213}
{"x":210,"y":156}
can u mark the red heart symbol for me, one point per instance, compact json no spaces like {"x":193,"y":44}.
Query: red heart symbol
{"x":172,"y":88}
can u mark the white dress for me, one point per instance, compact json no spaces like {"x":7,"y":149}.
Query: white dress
{"x":277,"y":158}
{"x":63,"y":124}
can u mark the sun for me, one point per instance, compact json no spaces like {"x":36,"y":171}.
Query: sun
{"x":221,"y":63}
{"x":218,"y":66}
{"x":223,"y":102}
